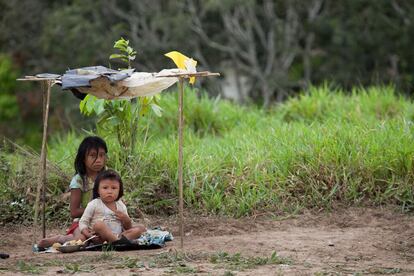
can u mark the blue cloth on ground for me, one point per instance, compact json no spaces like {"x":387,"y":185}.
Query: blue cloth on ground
{"x":155,"y":237}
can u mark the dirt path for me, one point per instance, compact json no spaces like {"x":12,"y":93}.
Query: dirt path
{"x":355,"y":241}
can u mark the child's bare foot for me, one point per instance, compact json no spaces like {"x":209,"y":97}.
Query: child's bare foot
{"x":47,"y":242}
{"x":134,"y":232}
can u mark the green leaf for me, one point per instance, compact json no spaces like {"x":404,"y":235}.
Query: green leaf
{"x":156,"y":98}
{"x":82,"y":105}
{"x":90,"y":104}
{"x":144,"y":100}
{"x":114,"y":121}
{"x":121,"y":44}
{"x":144,"y":110}
{"x":113,"y":56}
{"x":86,"y":105}
{"x":157,"y":109}
{"x":99,"y":107}
{"x":103,"y":118}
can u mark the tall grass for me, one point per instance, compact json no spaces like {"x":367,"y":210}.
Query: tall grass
{"x":320,"y":148}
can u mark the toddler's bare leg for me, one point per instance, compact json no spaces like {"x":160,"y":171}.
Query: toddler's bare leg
{"x":134,"y":232}
{"x":103,"y":231}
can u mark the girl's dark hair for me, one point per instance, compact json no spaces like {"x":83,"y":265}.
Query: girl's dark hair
{"x":108,"y":174}
{"x":89,"y":143}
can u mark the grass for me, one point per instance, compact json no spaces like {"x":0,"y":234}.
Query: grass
{"x":239,"y":262}
{"x":169,"y":262}
{"x":29,"y":268}
{"x":76,"y":268}
{"x":323,"y":147}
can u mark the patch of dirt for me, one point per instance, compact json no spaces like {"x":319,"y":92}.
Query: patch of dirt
{"x":351,"y":241}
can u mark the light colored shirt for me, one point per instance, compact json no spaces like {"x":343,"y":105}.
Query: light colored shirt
{"x":96,"y":211}
{"x":86,"y":195}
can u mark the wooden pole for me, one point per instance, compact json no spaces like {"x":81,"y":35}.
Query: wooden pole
{"x":180,"y":159}
{"x":43,"y":154}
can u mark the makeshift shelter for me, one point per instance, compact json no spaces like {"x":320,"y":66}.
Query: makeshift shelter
{"x":110,"y":84}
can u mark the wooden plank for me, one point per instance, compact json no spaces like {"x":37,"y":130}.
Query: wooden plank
{"x":189,"y":75}
{"x":33,"y":78}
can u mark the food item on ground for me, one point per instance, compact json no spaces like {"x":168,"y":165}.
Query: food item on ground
{"x":56,"y":245}
{"x":73,"y":242}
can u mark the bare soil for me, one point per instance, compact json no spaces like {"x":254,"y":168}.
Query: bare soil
{"x":351,"y":241}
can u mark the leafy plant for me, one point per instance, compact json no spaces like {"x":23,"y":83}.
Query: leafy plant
{"x":127,"y":53}
{"x":120,"y":118}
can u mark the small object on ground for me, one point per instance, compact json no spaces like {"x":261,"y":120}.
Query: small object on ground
{"x":122,"y":240}
{"x":4,"y":255}
{"x":73,"y":242}
{"x":69,"y":248}
{"x":36,"y":248}
{"x":74,"y":245}
{"x":331,"y":244}
{"x":88,"y":239}
{"x":56,"y":245}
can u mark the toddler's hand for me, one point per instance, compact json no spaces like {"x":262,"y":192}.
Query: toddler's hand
{"x":122,"y":216}
{"x":97,"y":240}
{"x":87,"y":233}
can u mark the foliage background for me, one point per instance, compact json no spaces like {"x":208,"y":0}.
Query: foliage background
{"x":317,"y":151}
{"x":290,"y":145}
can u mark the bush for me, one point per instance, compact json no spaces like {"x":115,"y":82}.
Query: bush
{"x":8,"y":103}
{"x":313,"y":151}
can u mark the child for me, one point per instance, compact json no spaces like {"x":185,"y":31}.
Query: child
{"x":90,"y":160}
{"x":106,"y":215}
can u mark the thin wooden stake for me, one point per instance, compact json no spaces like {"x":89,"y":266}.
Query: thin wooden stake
{"x":43,"y":154}
{"x":180,"y":159}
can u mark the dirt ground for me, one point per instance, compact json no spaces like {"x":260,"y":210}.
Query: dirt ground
{"x":351,"y":241}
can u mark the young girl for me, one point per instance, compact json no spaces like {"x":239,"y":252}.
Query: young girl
{"x":106,"y":215}
{"x":89,"y":161}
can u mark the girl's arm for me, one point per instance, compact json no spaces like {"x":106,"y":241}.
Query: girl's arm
{"x":76,"y":210}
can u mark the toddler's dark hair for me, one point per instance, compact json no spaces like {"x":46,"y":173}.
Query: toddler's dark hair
{"x":89,"y":143}
{"x":108,"y":174}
